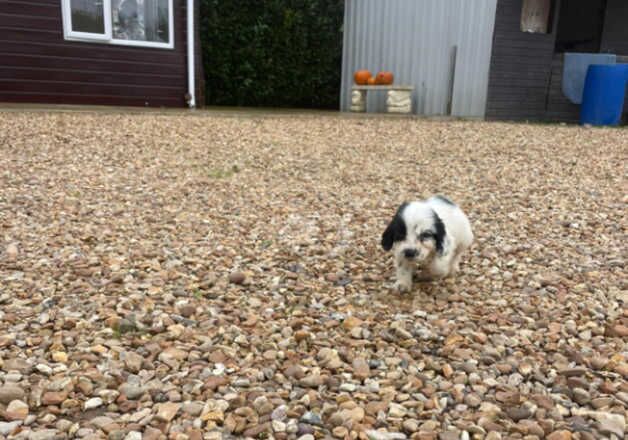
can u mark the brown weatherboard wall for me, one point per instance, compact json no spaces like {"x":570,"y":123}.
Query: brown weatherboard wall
{"x":38,"y":66}
{"x":525,"y":79}
{"x":521,"y":66}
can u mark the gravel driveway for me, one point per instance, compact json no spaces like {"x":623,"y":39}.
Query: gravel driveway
{"x":204,"y":277}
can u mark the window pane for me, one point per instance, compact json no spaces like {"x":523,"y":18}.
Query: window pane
{"x":535,"y":16}
{"x":141,"y":20}
{"x":88,"y":16}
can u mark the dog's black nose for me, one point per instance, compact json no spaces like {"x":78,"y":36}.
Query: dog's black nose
{"x":409,"y":253}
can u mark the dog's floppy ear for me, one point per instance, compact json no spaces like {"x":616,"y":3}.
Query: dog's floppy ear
{"x":440,"y":234}
{"x":395,"y":231}
{"x":389,"y":234}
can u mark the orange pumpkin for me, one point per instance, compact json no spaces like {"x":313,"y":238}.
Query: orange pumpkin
{"x":361,"y":77}
{"x":384,"y":78}
{"x":372,"y":81}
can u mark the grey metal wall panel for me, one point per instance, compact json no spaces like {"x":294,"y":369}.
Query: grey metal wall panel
{"x":414,"y":39}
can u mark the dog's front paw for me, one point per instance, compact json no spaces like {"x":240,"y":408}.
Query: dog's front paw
{"x":402,"y":287}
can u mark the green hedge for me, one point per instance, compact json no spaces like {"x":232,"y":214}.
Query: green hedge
{"x":278,"y":53}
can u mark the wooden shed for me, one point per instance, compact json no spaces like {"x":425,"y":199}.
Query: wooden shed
{"x":101,"y":52}
{"x":530,"y":40}
{"x":492,"y":59}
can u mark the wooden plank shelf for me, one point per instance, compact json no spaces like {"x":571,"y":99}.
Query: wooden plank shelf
{"x":380,"y":87}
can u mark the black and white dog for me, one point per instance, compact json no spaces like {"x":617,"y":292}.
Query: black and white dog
{"x":427,"y":237}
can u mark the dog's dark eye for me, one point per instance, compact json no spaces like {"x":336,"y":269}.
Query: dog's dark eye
{"x":423,"y":236}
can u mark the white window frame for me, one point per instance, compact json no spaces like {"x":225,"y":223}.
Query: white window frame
{"x":107,"y":37}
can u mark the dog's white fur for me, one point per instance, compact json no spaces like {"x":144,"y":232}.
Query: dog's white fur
{"x":427,"y":238}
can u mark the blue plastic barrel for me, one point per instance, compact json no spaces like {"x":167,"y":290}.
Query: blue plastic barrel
{"x":603,"y":94}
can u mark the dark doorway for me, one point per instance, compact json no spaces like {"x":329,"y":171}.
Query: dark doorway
{"x":580,"y":24}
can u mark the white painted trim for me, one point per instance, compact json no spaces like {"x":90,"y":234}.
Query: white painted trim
{"x":107,"y":37}
{"x":76,"y":35}
{"x":191,"y":61}
{"x":142,"y":43}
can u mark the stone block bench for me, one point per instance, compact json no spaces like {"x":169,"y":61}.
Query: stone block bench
{"x":399,"y":99}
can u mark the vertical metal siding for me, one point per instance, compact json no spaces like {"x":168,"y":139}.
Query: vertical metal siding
{"x":414,"y":39}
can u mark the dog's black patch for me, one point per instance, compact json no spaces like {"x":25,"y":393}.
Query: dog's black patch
{"x":439,"y":236}
{"x":396,"y":230}
{"x":445,"y":199}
